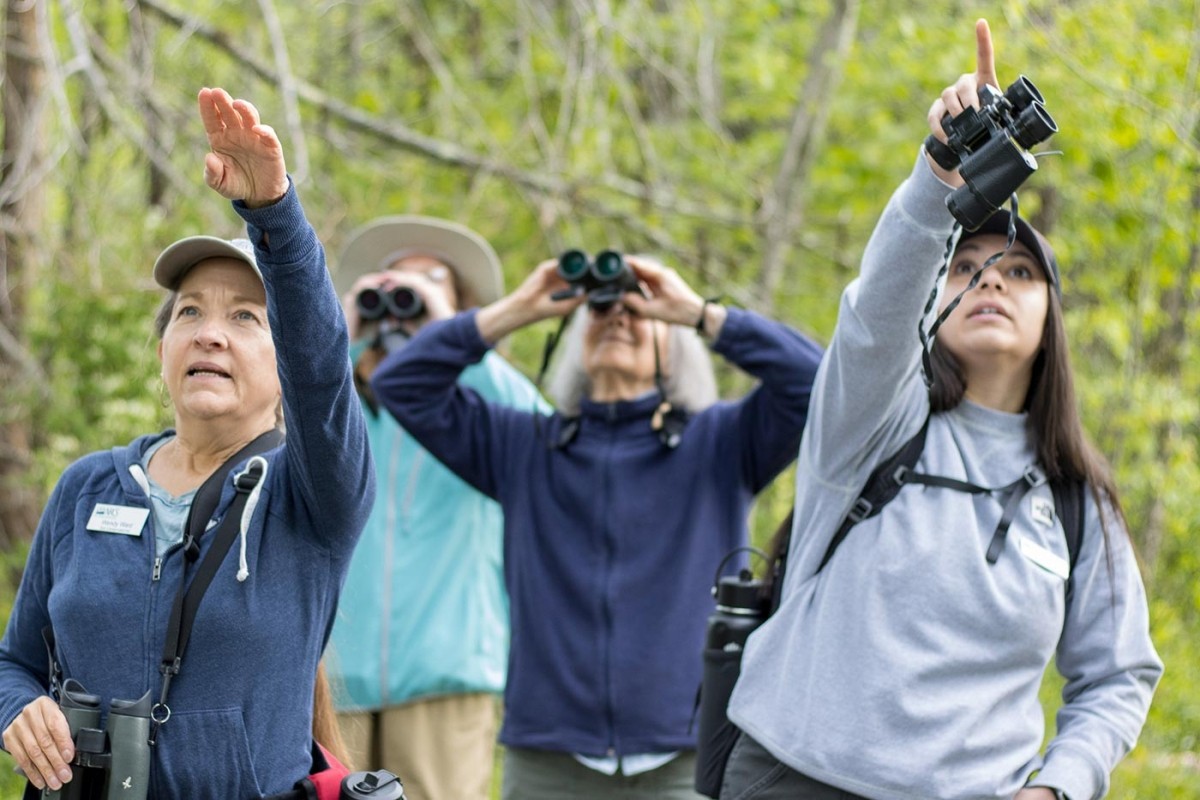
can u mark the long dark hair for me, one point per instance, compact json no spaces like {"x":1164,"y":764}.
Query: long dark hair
{"x":1063,"y":448}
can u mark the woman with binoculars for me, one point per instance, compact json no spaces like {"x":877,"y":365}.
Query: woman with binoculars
{"x":616,"y":510}
{"x":420,"y":645}
{"x":908,"y":663}
{"x":250,"y":336}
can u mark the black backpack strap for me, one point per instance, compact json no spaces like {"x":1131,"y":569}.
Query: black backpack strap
{"x":1069,"y":502}
{"x":1015,"y":491}
{"x":886,"y":481}
{"x":188,"y":597}
{"x":882,"y":486}
{"x":1069,"y":498}
{"x":777,"y":556}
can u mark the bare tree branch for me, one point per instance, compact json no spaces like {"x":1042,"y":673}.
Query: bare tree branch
{"x":298,"y":151}
{"x":708,"y":85}
{"x":778,"y":214}
{"x":446,"y":152}
{"x":78,"y":32}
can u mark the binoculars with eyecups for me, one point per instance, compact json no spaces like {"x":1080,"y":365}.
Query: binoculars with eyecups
{"x":109,"y":763}
{"x":989,"y":146}
{"x":399,"y":302}
{"x":604,"y":278}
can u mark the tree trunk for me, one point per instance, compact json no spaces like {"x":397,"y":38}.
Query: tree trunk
{"x":21,"y":211}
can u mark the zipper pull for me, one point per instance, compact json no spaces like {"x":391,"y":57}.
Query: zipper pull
{"x":157,"y":569}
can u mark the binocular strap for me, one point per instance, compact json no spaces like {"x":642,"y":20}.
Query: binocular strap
{"x":188,"y":597}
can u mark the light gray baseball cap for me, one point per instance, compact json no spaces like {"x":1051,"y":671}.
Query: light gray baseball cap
{"x":179,"y":257}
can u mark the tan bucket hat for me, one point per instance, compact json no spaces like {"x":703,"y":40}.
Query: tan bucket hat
{"x":380,"y":243}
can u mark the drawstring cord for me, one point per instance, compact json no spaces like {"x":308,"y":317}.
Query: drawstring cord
{"x":248,"y":513}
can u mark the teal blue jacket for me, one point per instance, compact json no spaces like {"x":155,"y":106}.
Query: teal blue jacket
{"x":424,"y":611}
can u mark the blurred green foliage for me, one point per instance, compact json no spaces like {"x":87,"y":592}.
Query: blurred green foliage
{"x":653,"y":126}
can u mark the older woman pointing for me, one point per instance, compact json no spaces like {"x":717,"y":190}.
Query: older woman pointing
{"x":251,"y":335}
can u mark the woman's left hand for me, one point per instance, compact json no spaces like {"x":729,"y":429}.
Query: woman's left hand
{"x":669,"y":298}
{"x":1035,"y":793}
{"x":246,"y":162}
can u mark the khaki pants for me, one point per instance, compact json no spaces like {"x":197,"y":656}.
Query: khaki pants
{"x":442,"y":748}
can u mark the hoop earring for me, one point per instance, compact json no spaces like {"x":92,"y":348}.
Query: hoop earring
{"x":164,"y":399}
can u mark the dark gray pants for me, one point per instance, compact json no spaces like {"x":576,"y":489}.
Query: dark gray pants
{"x":754,"y":774}
{"x":548,"y":775}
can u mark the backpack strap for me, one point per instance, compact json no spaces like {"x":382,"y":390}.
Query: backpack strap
{"x":1069,"y":502}
{"x":886,"y":481}
{"x":893,"y":474}
{"x":882,"y":486}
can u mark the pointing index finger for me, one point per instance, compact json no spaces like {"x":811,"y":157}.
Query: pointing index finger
{"x":985,"y":56}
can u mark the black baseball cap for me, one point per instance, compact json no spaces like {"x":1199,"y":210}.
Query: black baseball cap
{"x":1027,"y":235}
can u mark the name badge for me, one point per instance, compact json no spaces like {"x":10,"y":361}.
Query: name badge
{"x":125,"y":520}
{"x":1056,"y":565}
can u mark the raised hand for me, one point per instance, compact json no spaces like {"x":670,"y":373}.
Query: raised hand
{"x":246,"y":158}
{"x":964,"y":93}
{"x":530,"y":302}
{"x":669,"y":298}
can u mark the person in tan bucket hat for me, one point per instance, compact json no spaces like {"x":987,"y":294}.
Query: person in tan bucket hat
{"x":381,"y":243}
{"x":420,"y":645}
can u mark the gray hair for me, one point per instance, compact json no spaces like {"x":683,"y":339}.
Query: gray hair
{"x":688,"y":378}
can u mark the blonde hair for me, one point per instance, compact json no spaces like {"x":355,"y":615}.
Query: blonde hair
{"x":325,"y":729}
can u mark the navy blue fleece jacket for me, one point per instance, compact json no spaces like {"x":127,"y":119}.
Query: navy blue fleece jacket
{"x":611,"y":542}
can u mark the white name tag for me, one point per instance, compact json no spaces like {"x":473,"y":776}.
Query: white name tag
{"x":1039,"y":555}
{"x":125,"y":520}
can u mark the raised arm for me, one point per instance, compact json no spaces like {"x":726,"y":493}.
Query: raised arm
{"x":329,"y":464}
{"x":420,"y":385}
{"x":870,"y":396}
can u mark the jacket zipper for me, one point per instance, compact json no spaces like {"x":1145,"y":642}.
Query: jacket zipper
{"x":389,"y":555}
{"x":609,"y":711}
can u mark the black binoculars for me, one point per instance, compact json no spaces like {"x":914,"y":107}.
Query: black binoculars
{"x":108,"y":764}
{"x":400,"y":302}
{"x":989,"y":146}
{"x":604,"y":278}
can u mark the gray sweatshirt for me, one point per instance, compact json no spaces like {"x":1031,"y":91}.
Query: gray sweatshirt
{"x":909,"y":667}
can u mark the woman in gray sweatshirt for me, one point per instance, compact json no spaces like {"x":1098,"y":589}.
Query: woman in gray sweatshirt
{"x":909,"y":665}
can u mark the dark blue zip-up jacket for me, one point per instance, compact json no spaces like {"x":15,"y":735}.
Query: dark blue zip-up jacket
{"x":241,"y":705}
{"x":611,"y":542}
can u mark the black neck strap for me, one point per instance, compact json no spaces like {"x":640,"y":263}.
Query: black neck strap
{"x":927,"y":338}
{"x":188,"y":596}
